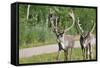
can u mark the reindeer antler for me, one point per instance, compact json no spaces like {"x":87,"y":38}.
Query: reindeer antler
{"x":79,"y":25}
{"x":72,"y":15}
{"x":53,"y":21}
{"x":92,"y":27}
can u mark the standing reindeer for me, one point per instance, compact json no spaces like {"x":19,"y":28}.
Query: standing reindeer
{"x":86,"y":41}
{"x":64,"y":42}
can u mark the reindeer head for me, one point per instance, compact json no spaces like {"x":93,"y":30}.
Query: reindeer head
{"x":54,"y":23}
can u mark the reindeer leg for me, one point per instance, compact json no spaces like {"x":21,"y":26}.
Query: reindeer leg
{"x":66,"y":54}
{"x":58,"y":53}
{"x":83,"y":52}
{"x":82,"y":49}
{"x":70,"y":53}
{"x":86,"y":52}
{"x":59,"y":50}
{"x":90,"y":52}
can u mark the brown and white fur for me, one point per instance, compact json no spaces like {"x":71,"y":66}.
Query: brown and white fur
{"x":65,"y":43}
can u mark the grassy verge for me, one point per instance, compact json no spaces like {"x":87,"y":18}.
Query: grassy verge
{"x":36,"y":44}
{"x":76,"y":55}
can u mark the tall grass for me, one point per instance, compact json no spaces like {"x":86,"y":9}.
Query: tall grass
{"x":36,"y":36}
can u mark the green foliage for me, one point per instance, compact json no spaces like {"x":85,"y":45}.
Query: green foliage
{"x":35,"y":30}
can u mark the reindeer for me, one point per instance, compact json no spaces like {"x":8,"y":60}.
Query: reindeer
{"x":86,"y":41}
{"x":64,"y":42}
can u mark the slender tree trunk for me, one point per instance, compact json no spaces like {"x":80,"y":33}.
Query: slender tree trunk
{"x":28,"y":8}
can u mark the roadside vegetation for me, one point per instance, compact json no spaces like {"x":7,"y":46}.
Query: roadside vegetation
{"x":51,"y":57}
{"x":34,"y":31}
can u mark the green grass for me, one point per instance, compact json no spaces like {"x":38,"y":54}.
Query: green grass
{"x":51,"y":57}
{"x":37,"y":36}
